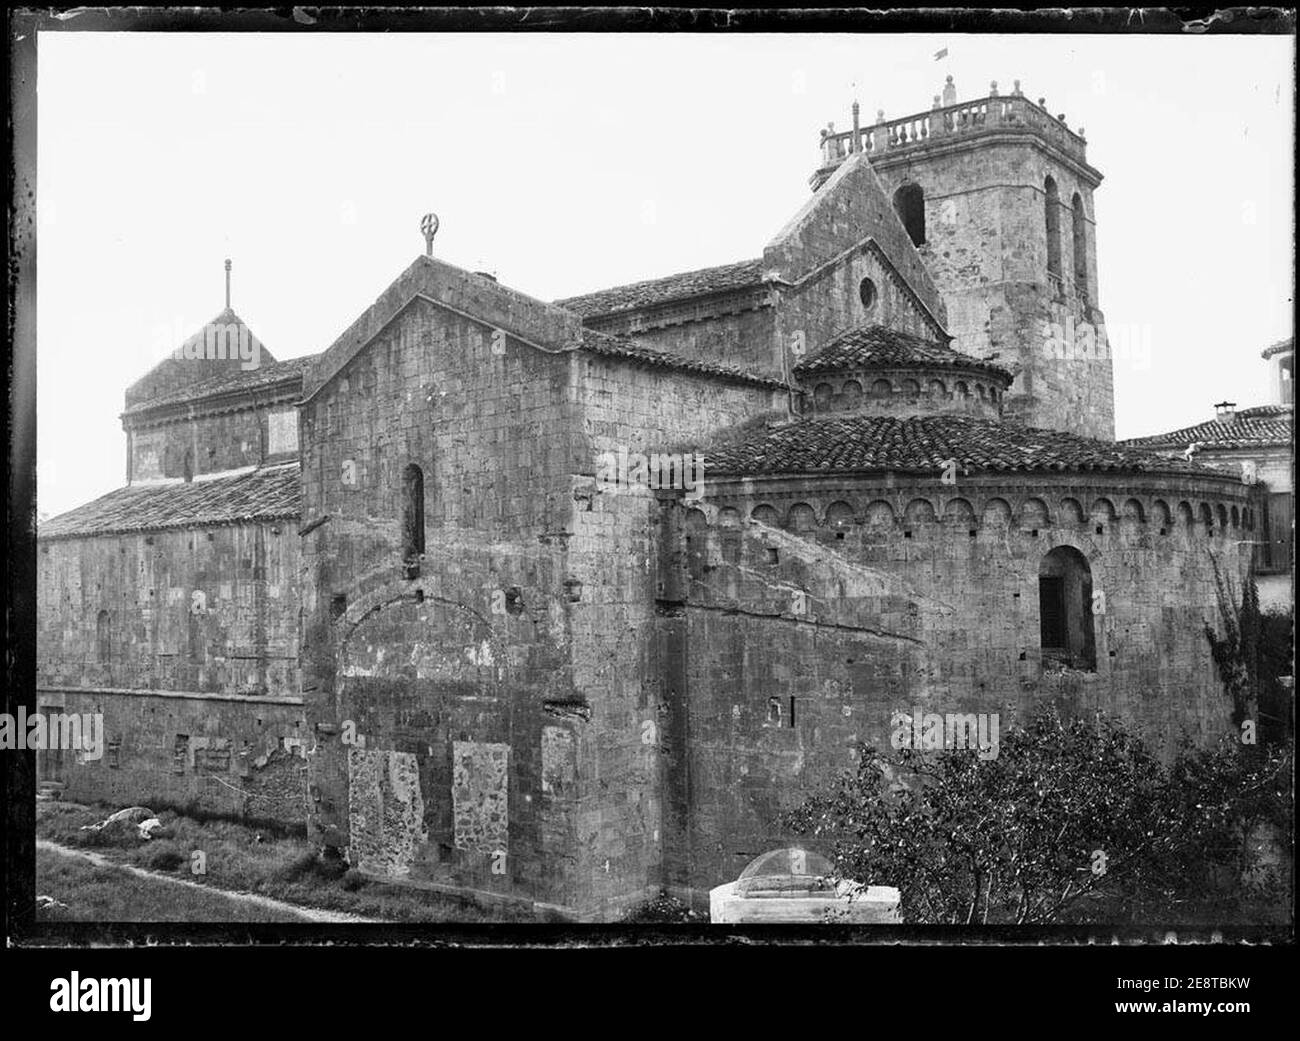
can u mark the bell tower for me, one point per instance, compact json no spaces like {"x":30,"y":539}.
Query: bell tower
{"x":997,"y":194}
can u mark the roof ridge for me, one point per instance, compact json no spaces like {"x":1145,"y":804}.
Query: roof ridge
{"x":678,"y":285}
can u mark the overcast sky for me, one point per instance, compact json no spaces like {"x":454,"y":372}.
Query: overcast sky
{"x":570,"y":163}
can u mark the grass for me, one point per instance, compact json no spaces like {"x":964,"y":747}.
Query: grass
{"x":109,"y":894}
{"x":242,"y":857}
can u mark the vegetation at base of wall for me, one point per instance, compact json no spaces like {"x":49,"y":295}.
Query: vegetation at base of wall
{"x":196,"y":811}
{"x":663,"y":910}
{"x":1236,"y":652}
{"x":1074,"y":821}
{"x":1276,"y":660}
{"x":242,"y":858}
{"x":1252,"y":655}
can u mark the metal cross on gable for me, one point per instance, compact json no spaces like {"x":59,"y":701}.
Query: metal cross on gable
{"x":429,"y":226}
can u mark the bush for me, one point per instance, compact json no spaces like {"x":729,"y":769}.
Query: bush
{"x":312,"y":864}
{"x":165,"y":857}
{"x":1071,"y":820}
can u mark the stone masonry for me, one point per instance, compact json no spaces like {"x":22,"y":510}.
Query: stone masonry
{"x":392,"y":592}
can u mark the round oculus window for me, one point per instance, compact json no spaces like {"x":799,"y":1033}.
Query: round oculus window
{"x":867,"y":293}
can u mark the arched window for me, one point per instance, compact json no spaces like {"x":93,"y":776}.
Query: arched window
{"x":1080,"y":249}
{"x":412,"y":519}
{"x":103,"y":638}
{"x":909,"y":204}
{"x":1052,"y":212}
{"x":1065,"y":608}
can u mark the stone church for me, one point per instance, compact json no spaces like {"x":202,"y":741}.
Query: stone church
{"x":388,"y":591}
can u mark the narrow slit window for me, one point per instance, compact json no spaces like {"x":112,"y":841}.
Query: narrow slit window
{"x":103,"y":638}
{"x":1080,"y":234}
{"x":412,"y":519}
{"x":1052,"y":215}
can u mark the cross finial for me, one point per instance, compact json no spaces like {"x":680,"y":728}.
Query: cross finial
{"x":227,"y":283}
{"x":429,"y":226}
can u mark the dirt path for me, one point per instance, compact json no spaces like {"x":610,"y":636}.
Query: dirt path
{"x":295,"y":911}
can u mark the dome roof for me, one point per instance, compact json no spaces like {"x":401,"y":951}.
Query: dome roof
{"x":879,"y":347}
{"x":786,"y":870}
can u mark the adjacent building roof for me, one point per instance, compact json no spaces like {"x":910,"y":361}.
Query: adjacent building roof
{"x":923,"y":444}
{"x":1281,"y":347}
{"x":263,"y":494}
{"x":682,"y":286}
{"x":875,"y":346}
{"x":233,"y":380}
{"x":1263,"y":425}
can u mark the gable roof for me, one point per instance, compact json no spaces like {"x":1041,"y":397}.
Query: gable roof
{"x":876,"y":346}
{"x":923,"y":444}
{"x":637,"y":295}
{"x":263,"y":494}
{"x":1263,"y":425}
{"x":481,"y":299}
{"x":848,"y":211}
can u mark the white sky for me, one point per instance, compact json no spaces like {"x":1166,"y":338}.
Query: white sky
{"x":568,"y":163}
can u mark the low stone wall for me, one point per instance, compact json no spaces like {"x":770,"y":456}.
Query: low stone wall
{"x":237,"y":756}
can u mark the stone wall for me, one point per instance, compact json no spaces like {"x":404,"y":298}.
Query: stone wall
{"x":238,"y":756}
{"x":212,"y":443}
{"x":736,"y":329}
{"x":829,"y":301}
{"x":799,"y":635}
{"x":905,"y":392}
{"x":465,"y":650}
{"x":498,"y":689}
{"x":986,"y":246}
{"x":208,"y":610}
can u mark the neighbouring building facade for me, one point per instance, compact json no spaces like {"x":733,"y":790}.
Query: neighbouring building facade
{"x":558,"y":605}
{"x":1256,"y":443}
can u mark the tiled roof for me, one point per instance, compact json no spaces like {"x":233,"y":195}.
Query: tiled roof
{"x":234,"y":379}
{"x":849,"y":444}
{"x":260,"y":495}
{"x":1258,"y":426}
{"x":659,"y":290}
{"x":1278,"y":348}
{"x":875,"y":346}
{"x":622,"y":347}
